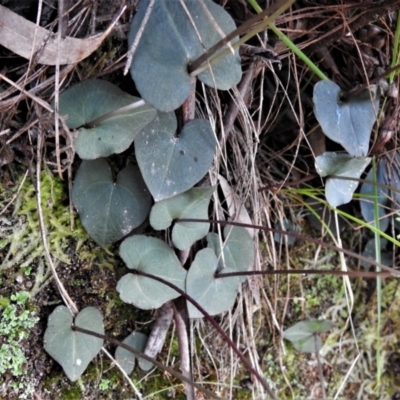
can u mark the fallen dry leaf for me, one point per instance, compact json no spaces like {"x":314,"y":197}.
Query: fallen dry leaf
{"x":21,"y":36}
{"x":236,"y":210}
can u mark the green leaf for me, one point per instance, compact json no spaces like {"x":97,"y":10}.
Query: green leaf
{"x":340,"y":191}
{"x":386,"y":257}
{"x":285,"y":225}
{"x":169,"y":43}
{"x":214,"y":295}
{"x":191,"y":204}
{"x":91,"y":99}
{"x":73,"y":350}
{"x":392,"y":175}
{"x":172,"y":165}
{"x":367,"y":193}
{"x":346,"y":122}
{"x":238,"y":249}
{"x":108,"y":210}
{"x":304,"y":336}
{"x":155,"y":257}
{"x":126,"y":359}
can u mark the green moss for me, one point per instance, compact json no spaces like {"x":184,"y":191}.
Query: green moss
{"x":23,"y":238}
{"x":72,"y":394}
{"x":16,"y":321}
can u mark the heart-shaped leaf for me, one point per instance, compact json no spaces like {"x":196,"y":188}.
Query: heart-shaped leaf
{"x":367,"y":193}
{"x":285,"y":225}
{"x":73,"y":350}
{"x":155,"y":257}
{"x":322,"y":217}
{"x":172,"y":165}
{"x":391,"y":170}
{"x":215,"y":295}
{"x":108,"y":210}
{"x":170,"y":41}
{"x":191,"y":204}
{"x":126,"y":359}
{"x":340,"y":191}
{"x":91,"y":99}
{"x":346,"y":122}
{"x":386,"y":257}
{"x":238,"y":249}
{"x":304,"y":336}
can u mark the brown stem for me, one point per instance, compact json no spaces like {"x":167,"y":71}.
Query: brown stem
{"x":350,"y":274}
{"x":214,"y":323}
{"x":295,"y":235}
{"x":137,"y":353}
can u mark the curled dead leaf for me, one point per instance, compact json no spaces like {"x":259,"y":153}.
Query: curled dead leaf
{"x":25,"y":38}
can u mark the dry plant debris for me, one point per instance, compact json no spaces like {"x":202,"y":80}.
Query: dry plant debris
{"x":267,"y":142}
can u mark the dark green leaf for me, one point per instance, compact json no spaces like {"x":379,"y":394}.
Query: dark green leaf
{"x":155,"y":257}
{"x":348,"y":123}
{"x":214,"y":295}
{"x":367,"y":193}
{"x":304,"y":336}
{"x":126,"y":359}
{"x":191,"y":204}
{"x":91,"y":99}
{"x":340,"y":191}
{"x":168,"y":45}
{"x":370,"y":252}
{"x":238,"y":249}
{"x":73,"y":350}
{"x":172,"y":165}
{"x":108,"y":210}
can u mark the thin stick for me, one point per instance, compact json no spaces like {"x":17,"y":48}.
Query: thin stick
{"x":145,"y":357}
{"x":214,"y":323}
{"x":243,"y":28}
{"x":139,"y":34}
{"x":394,"y":272}
{"x":135,"y":389}
{"x":16,"y":194}
{"x":320,"y":371}
{"x":26,"y":93}
{"x":180,"y":310}
{"x":61,"y":27}
{"x":64,"y":294}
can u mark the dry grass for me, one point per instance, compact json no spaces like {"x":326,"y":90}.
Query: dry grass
{"x":267,"y":138}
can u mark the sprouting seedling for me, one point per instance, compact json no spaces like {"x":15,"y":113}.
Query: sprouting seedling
{"x":304,"y":336}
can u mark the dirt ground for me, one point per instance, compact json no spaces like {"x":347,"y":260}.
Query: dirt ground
{"x":270,"y":153}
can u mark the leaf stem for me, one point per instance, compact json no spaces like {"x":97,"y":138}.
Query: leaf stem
{"x":215,"y":324}
{"x":319,"y":242}
{"x":145,"y":357}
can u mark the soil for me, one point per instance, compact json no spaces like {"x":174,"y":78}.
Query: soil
{"x":352,"y":43}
